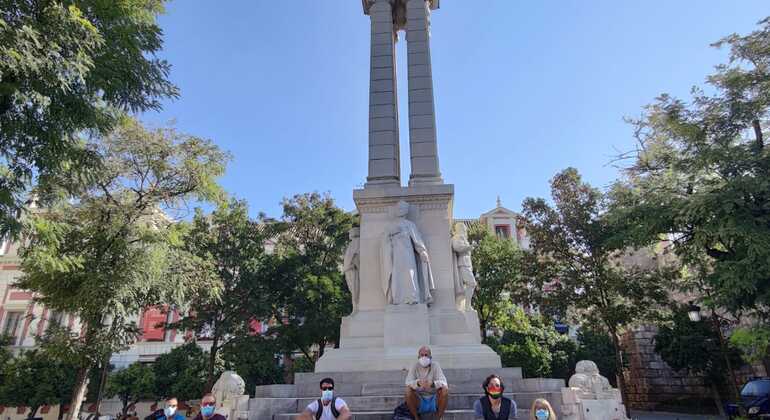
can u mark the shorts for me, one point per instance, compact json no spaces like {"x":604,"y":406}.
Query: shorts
{"x":427,"y":404}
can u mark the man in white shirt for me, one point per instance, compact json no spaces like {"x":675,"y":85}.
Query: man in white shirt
{"x":328,"y":407}
{"x":427,"y":390}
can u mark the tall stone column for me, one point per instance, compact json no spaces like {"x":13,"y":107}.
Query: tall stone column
{"x":422,"y":115}
{"x":384,"y":166}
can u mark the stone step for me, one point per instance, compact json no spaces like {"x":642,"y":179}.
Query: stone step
{"x":388,"y":415}
{"x":397,"y":388}
{"x":456,"y":401}
{"x":397,"y":376}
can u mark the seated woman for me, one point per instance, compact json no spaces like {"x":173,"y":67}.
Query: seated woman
{"x":493,"y":406}
{"x":542,"y":410}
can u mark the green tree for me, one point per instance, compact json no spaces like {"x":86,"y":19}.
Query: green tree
{"x":532,"y":343}
{"x":701,"y":177}
{"x":694,"y":346}
{"x":234,"y":244}
{"x":34,"y":379}
{"x":182,"y":372}
{"x":134,"y":383}
{"x":69,"y":69}
{"x":577,"y":261}
{"x":110,"y":252}
{"x":596,"y":345}
{"x":309,"y":294}
{"x":754,"y":343}
{"x":497,"y":268}
{"x":255,"y":358}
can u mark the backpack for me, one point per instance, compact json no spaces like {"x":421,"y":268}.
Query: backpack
{"x":320,"y":411}
{"x":402,"y":413}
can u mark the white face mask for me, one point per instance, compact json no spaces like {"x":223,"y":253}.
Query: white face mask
{"x":169,"y":411}
{"x":424,"y":361}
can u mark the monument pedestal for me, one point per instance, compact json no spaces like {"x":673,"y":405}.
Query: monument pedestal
{"x":380,"y":336}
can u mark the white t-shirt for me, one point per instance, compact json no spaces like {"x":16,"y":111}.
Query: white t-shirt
{"x":339,"y":403}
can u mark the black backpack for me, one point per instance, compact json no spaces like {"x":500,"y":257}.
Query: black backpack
{"x":320,"y":411}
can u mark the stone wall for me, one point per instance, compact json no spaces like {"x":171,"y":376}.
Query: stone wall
{"x":652,"y":385}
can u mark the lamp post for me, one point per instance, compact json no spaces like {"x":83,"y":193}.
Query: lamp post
{"x":693,"y":312}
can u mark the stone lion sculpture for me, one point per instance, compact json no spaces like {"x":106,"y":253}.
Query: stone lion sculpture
{"x":229,"y":386}
{"x":588,"y":379}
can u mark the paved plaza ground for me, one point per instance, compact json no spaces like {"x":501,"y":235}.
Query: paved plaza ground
{"x":642,"y":415}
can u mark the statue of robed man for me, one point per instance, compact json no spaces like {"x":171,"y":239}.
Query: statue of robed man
{"x":406,"y":273}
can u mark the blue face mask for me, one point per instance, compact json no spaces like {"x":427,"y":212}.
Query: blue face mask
{"x":327,"y":395}
{"x":542,"y":414}
{"x":207,"y":411}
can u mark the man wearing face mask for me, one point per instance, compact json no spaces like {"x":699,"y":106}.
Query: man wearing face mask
{"x":328,"y":407}
{"x":427,"y":390}
{"x":169,"y":412}
{"x":208,"y":406}
{"x":493,"y":406}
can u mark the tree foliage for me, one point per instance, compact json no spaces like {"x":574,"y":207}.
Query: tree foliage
{"x":580,"y":265}
{"x":34,"y":379}
{"x":532,"y":343}
{"x":235,"y":245}
{"x":497,"y":267}
{"x":255,"y":358}
{"x":69,"y":69}
{"x":309,"y":293}
{"x":701,"y":177}
{"x":131,"y":384}
{"x":182,"y":372}
{"x":110,"y":251}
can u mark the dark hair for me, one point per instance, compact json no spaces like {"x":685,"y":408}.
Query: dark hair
{"x":489,"y":379}
{"x":326,"y":381}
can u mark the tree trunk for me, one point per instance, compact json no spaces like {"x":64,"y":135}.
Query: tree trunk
{"x":718,"y":400}
{"x":321,"y":347}
{"x":61,"y":410}
{"x":80,"y":388}
{"x":730,"y":372}
{"x":102,"y":384}
{"x":620,"y":378}
{"x":212,"y":361}
{"x":483,"y":327}
{"x":33,"y":411}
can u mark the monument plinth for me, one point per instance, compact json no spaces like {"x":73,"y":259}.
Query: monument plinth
{"x":403,"y":262}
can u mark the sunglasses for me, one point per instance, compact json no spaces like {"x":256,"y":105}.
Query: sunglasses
{"x":208,"y":404}
{"x":327,"y":388}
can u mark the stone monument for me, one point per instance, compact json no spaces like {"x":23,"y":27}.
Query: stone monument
{"x":590,"y":396}
{"x":403,"y":263}
{"x":232,"y":398}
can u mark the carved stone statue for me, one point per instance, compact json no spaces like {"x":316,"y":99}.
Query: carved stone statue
{"x":464,"y":280}
{"x":351,"y":266}
{"x":588,"y":379}
{"x":232,"y":399}
{"x":228,"y":386}
{"x":406,"y":273}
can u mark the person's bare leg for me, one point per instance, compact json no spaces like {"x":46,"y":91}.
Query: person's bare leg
{"x":442,"y":398}
{"x":412,"y":402}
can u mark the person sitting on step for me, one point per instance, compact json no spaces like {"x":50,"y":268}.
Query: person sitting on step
{"x":493,"y":405}
{"x":328,"y":407}
{"x":427,"y":390}
{"x":542,"y":410}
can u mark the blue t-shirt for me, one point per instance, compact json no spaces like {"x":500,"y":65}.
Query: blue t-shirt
{"x":478,"y":411}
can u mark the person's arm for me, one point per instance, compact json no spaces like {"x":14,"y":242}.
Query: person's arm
{"x":514,"y":410}
{"x":478,"y":412}
{"x":345,"y":413}
{"x":439,"y":380}
{"x":308,"y":413}
{"x":411,"y":378}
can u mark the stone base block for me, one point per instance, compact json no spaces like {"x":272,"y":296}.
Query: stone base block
{"x":398,"y":358}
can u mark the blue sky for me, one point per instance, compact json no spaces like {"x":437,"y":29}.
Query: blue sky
{"x":523,"y":88}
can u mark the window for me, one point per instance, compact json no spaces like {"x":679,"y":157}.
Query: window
{"x":12,"y":324}
{"x":55,"y":319}
{"x":503,"y":231}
